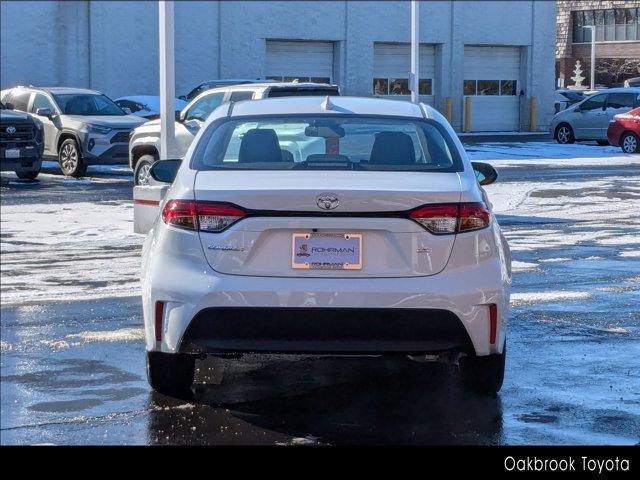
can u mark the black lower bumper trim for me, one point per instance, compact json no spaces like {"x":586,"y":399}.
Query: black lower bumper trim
{"x":325,"y":330}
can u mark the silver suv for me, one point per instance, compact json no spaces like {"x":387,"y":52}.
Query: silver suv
{"x":589,"y":119}
{"x":144,"y":147}
{"x":81,"y":127}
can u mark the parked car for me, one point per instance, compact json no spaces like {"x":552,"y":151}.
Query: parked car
{"x":566,"y":98}
{"x":624,"y":131}
{"x":81,"y":127}
{"x":145,"y":140}
{"x":336,"y":225}
{"x":589,"y":119}
{"x":208,"y":85}
{"x":632,"y":82}
{"x":146,"y":106}
{"x":21,"y":143}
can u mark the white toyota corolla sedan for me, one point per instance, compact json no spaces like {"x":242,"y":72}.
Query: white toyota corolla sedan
{"x":310,"y":225}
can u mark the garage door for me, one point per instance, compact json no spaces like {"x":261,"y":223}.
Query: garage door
{"x":492,"y":80}
{"x":391,"y":66}
{"x":305,"y":61}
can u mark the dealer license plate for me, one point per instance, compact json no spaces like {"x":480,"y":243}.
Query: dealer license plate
{"x":327,"y":251}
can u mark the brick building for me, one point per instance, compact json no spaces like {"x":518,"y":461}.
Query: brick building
{"x":617,"y":33}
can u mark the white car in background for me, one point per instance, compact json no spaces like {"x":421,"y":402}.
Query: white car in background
{"x":145,"y":142}
{"x":337,"y":225}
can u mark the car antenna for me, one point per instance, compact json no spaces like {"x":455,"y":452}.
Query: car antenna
{"x":326,"y":104}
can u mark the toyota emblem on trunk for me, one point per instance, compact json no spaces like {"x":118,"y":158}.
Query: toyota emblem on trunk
{"x":328,"y":201}
{"x":11,"y":129}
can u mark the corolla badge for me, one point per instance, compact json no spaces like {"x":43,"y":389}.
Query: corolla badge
{"x":11,"y":129}
{"x":328,"y":201}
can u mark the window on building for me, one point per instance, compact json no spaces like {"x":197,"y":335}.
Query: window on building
{"x":400,"y":86}
{"x":619,"y":24}
{"x":425,"y":86}
{"x":469,"y":87}
{"x":507,"y":87}
{"x":488,"y":87}
{"x":381,"y":86}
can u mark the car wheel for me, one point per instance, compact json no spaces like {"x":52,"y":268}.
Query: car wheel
{"x":171,"y":373}
{"x":602,"y":143}
{"x":70,"y":159}
{"x":484,"y":374}
{"x":564,"y":134}
{"x":630,"y":143}
{"x":29,"y":175}
{"x":142,"y":169}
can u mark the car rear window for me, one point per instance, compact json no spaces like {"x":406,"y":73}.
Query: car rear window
{"x":327,"y":142}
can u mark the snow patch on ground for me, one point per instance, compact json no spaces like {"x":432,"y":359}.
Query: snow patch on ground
{"x":630,"y":254}
{"x":68,"y":251}
{"x":122,"y":335}
{"x":517,"y":266}
{"x":526,"y":298}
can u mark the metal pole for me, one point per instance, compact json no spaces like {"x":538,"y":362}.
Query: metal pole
{"x":167,"y":79}
{"x":593,"y":55}
{"x":414,"y":76}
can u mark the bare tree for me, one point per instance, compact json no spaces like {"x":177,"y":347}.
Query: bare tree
{"x":614,"y":71}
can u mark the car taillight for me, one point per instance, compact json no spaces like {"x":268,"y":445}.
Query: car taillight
{"x":473,"y":216}
{"x":448,"y":218}
{"x":203,"y":216}
{"x":438,"y":219}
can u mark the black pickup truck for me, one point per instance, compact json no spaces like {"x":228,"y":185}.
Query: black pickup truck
{"x":21,"y":143}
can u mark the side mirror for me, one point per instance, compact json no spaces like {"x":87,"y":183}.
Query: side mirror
{"x":44,"y":112}
{"x":165,"y":171}
{"x":9,"y":106}
{"x":485,"y":173}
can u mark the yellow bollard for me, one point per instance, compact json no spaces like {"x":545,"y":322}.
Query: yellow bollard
{"x":467,"y":114}
{"x":533,"y":111}
{"x":448,"y":109}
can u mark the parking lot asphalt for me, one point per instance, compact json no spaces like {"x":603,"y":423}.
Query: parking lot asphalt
{"x":72,"y":354}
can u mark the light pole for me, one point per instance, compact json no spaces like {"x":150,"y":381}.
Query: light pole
{"x":414,"y":77}
{"x":593,"y":55}
{"x":167,"y":79}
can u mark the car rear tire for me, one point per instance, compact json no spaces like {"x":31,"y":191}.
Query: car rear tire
{"x":602,"y":143}
{"x":171,"y":373}
{"x":141,"y":170}
{"x":630,"y":143}
{"x":29,"y":175}
{"x":564,"y":134}
{"x":485,"y":374}
{"x":70,"y":159}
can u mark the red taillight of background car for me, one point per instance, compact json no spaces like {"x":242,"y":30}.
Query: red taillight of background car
{"x":202,"y":216}
{"x":448,"y":218}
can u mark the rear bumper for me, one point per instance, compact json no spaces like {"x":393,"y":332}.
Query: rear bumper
{"x":206,"y":311}
{"x":325,"y":330}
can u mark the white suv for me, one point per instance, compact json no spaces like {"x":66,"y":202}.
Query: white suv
{"x":309,"y":225}
{"x":145,"y":141}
